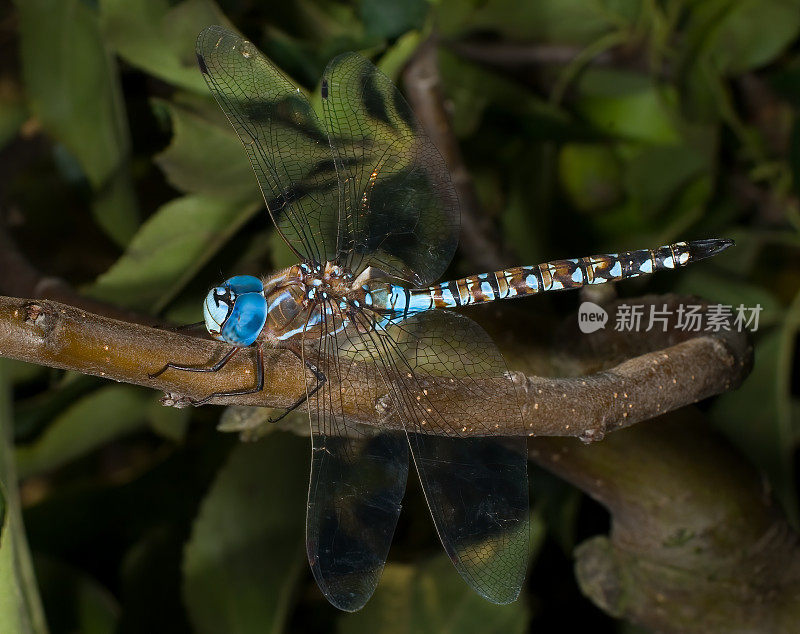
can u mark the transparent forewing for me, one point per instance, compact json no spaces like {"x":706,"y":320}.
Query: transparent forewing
{"x":284,"y":140}
{"x":437,"y":363}
{"x":399,"y":211}
{"x":358,"y":478}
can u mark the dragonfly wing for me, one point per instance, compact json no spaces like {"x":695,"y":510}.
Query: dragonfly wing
{"x":383,"y":198}
{"x":354,"y":500}
{"x":399,"y":210}
{"x":358,"y":479}
{"x":282,"y":136}
{"x":476,"y":486}
{"x":477,"y":492}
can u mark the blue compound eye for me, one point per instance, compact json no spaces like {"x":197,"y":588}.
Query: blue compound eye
{"x":218,"y":305}
{"x":236,"y":311}
{"x":242,"y":284}
{"x":246,"y":320}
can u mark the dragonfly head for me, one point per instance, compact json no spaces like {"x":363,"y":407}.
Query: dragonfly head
{"x":236,"y":311}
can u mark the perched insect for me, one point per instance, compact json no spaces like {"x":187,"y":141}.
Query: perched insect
{"x":366,"y":204}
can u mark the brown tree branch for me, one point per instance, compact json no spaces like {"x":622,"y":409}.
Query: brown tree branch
{"x":689,"y":369}
{"x":696,"y":543}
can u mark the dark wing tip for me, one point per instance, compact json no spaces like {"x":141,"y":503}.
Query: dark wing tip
{"x":702,"y":249}
{"x":324,"y":89}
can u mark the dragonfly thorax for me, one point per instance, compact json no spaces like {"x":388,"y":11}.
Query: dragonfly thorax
{"x":302,"y":297}
{"x":331,"y":278}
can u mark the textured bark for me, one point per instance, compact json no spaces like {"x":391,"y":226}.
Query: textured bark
{"x":696,"y":544}
{"x":688,"y":368}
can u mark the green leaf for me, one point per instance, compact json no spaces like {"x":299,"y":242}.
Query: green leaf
{"x":206,"y":159}
{"x":205,"y":155}
{"x":169,"y":250}
{"x":92,"y":421}
{"x":590,"y":175}
{"x":558,"y":505}
{"x":737,"y":36}
{"x":392,"y":19}
{"x":629,"y":106}
{"x":20,"y":606}
{"x":394,"y":60}
{"x":282,"y":255}
{"x":12,"y":113}
{"x":150,"y":577}
{"x":794,"y":155}
{"x":33,"y":414}
{"x":655,"y":174}
{"x":115,"y":209}
{"x":168,"y":422}
{"x":784,"y":79}
{"x":158,"y":37}
{"x":432,"y":597}
{"x":531,"y":189}
{"x":75,"y":601}
{"x":758,"y":416}
{"x":22,"y":371}
{"x":73,"y":88}
{"x":473,"y":90}
{"x":563,"y":22}
{"x":246,"y":550}
{"x":328,"y":23}
{"x":716,"y":284}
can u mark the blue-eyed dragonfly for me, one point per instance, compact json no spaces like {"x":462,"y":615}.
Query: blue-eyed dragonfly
{"x":366,"y":204}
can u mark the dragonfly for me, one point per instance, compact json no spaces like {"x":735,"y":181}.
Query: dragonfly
{"x":364,"y":200}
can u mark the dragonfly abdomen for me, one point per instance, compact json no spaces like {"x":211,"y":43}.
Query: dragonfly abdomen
{"x":561,"y":275}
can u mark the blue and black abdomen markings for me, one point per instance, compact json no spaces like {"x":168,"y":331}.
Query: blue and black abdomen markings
{"x":550,"y":276}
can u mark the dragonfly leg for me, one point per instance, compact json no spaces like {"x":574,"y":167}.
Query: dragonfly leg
{"x":259,"y":381}
{"x":186,"y":368}
{"x":318,"y":374}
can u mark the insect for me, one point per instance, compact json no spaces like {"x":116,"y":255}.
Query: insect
{"x":366,"y":204}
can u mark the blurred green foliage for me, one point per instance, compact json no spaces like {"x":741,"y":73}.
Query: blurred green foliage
{"x":606,"y":125}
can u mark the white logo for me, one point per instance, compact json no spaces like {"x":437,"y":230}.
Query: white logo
{"x":591,"y":317}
